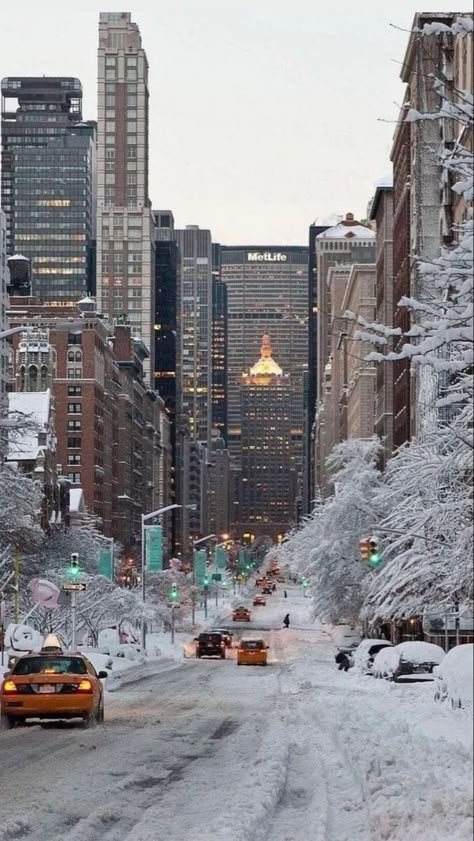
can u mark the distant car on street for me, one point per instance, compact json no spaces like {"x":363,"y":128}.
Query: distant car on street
{"x":226,"y":634}
{"x":364,"y":654}
{"x":259,"y":601}
{"x":241,"y":614}
{"x":266,"y":591}
{"x":210,"y":644}
{"x":411,"y":660}
{"x":454,"y":678}
{"x":252,"y":653}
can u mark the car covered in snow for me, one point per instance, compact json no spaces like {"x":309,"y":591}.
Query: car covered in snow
{"x":454,"y":677}
{"x":411,"y":660}
{"x":365,"y":653}
{"x":345,"y":637}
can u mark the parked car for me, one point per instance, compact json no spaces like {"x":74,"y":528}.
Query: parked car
{"x":454,"y":677}
{"x":210,"y":644}
{"x":364,"y":654}
{"x":252,"y":653}
{"x":346,"y":637}
{"x":413,"y":660}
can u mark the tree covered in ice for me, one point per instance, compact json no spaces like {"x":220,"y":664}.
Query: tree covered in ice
{"x":325,"y":548}
{"x":20,"y":506}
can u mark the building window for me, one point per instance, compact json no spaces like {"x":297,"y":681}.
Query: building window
{"x":74,"y":339}
{"x":75,"y":478}
{"x":74,"y":425}
{"x":74,"y":408}
{"x":74,"y":373}
{"x":74,"y":356}
{"x":132,"y":152}
{"x":74,"y":443}
{"x":74,"y":458}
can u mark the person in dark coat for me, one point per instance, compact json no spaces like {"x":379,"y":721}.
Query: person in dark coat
{"x":285,"y":594}
{"x":343,"y":661}
{"x":286,"y":621}
{"x":273,"y":588}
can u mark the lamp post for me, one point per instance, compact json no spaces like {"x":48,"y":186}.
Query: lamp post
{"x":146,"y":517}
{"x":196,"y":543}
{"x":13,"y":330}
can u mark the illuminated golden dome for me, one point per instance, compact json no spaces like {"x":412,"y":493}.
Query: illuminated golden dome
{"x":266,"y":364}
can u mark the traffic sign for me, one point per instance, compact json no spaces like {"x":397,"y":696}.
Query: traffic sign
{"x":74,"y":585}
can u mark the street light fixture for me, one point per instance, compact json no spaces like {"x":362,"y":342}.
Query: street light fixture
{"x":146,"y":517}
{"x":13,"y":330}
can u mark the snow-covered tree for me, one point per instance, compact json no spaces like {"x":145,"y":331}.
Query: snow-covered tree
{"x":325,"y":548}
{"x":159,"y":587}
{"x":20,"y":504}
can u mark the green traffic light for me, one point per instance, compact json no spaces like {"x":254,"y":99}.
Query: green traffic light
{"x":74,"y":570}
{"x":375,"y":559}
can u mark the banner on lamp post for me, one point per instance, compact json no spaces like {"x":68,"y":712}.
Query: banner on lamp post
{"x":220,"y":557}
{"x":106,"y":562}
{"x":200,"y":563}
{"x":154,"y":549}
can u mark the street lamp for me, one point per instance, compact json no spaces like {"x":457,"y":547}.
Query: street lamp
{"x":13,"y":330}
{"x":146,"y":517}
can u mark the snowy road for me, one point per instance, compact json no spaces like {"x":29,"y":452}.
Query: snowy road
{"x":211,"y":752}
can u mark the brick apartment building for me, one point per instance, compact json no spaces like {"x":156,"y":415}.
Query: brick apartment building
{"x":108,"y":421}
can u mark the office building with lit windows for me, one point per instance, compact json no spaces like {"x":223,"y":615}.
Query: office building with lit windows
{"x":267,"y":474}
{"x":125,"y":226}
{"x":267,"y":291}
{"x":48,"y":184}
{"x":219,"y":349}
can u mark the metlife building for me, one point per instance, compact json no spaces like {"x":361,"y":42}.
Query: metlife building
{"x":267,"y":289}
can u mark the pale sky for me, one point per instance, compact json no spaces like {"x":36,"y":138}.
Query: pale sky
{"x":265,"y":114}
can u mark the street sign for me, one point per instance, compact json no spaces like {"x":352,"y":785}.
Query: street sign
{"x":70,"y":586}
{"x":106,"y":562}
{"x":216,"y":576}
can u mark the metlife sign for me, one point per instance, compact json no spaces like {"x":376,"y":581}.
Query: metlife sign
{"x":266,"y":257}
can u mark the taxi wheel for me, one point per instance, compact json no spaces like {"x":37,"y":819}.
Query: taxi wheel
{"x":6,"y":722}
{"x":100,"y":713}
{"x":90,"y":720}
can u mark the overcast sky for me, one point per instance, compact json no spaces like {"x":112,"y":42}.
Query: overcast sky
{"x":265,"y":114}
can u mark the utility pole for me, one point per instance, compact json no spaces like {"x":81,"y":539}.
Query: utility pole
{"x":73,"y":620}
{"x":172,"y":623}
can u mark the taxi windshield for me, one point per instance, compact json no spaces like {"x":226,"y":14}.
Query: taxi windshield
{"x":252,"y":645}
{"x":50,"y":665}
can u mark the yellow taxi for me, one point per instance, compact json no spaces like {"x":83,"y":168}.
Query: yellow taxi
{"x":241,"y":614}
{"x":52,"y":684}
{"x":252,"y":653}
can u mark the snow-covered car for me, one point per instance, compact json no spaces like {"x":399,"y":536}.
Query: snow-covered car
{"x":413,"y":660}
{"x":345,"y":637}
{"x":101,"y":662}
{"x":454,"y":677}
{"x":365,"y":653}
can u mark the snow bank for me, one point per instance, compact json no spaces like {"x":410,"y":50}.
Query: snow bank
{"x":454,"y":678}
{"x":124,"y":672}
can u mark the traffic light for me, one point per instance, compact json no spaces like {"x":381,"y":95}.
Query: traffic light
{"x":173,"y":594}
{"x":364,"y":549}
{"x":205,"y":581}
{"x":305,"y":583}
{"x":74,"y":569}
{"x":375,"y":555}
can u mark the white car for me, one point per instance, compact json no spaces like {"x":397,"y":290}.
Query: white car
{"x":408,"y":661}
{"x":454,"y":678}
{"x":366,"y":652}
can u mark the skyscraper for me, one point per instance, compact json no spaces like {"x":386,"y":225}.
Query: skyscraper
{"x":48,"y":184}
{"x":267,"y":290}
{"x":125,"y":229}
{"x":267,"y":487}
{"x":219,"y":347}
{"x":194,"y":379}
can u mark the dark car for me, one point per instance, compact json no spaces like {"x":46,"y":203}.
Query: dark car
{"x":266,"y":591}
{"x":210,"y":645}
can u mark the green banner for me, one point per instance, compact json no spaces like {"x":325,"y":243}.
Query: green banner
{"x":244,"y":558}
{"x":106,"y":562}
{"x":220,"y":557}
{"x":200,"y":563}
{"x":154,"y":549}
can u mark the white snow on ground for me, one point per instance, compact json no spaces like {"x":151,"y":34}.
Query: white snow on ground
{"x":204,"y":751}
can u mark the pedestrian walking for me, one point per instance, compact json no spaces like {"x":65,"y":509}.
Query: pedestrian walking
{"x":273,"y":588}
{"x":286,"y":621}
{"x":285,"y":594}
{"x":343,"y":661}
